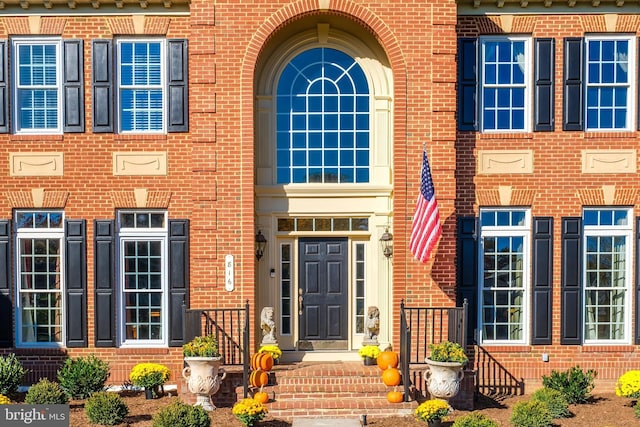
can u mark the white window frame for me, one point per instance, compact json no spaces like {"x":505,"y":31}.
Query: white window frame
{"x":16,"y":43}
{"x":129,"y":234}
{"x":630,"y":85}
{"x":527,"y":84}
{"x":40,"y":233}
{"x":612,"y":230}
{"x":354,"y":281}
{"x":161,"y":86}
{"x":523,"y":231}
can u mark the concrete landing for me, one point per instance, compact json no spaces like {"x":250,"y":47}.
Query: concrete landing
{"x":326,"y":422}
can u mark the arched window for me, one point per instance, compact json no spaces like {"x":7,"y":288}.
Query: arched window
{"x":322,"y":119}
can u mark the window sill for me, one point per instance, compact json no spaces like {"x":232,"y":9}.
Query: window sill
{"x":140,"y":136}
{"x":506,"y":135}
{"x":503,"y":348}
{"x":36,"y":137}
{"x":607,"y":135}
{"x":608,"y":348}
{"x":142,"y":350}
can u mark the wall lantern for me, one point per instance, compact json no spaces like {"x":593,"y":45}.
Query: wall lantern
{"x":261,"y":242}
{"x":385,"y":241}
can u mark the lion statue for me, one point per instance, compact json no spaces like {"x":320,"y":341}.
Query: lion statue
{"x":372,"y":325}
{"x":268,"y":326}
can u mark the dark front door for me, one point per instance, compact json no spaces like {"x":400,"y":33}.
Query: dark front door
{"x":322,"y":293}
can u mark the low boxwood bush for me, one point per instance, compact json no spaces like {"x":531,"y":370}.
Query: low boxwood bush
{"x":83,"y":376}
{"x":179,"y":414}
{"x":46,"y":392}
{"x":475,"y":419}
{"x":106,"y":408}
{"x":11,"y":374}
{"x":575,"y":384}
{"x":556,"y":402}
{"x":532,"y":413}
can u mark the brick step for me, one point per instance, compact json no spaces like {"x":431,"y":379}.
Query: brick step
{"x":337,"y":406}
{"x":328,"y":388}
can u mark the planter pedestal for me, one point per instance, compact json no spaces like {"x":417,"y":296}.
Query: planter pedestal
{"x":443,"y":378}
{"x":204,"y":376}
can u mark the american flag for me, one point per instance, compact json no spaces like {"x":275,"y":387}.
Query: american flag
{"x":426,"y":229}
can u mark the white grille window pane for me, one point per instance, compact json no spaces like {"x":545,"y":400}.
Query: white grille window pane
{"x":38,"y":86}
{"x":504,"y":278}
{"x":141,"y":92}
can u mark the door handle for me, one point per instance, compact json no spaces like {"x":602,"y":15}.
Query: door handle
{"x":300,"y":304}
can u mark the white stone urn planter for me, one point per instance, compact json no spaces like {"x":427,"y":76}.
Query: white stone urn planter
{"x":443,"y":378}
{"x":204,"y":376}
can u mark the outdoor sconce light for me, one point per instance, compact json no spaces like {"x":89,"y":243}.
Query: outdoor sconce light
{"x":385,"y":241}
{"x":261,"y":242}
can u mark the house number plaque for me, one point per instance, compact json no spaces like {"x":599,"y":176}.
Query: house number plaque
{"x":228,"y":273}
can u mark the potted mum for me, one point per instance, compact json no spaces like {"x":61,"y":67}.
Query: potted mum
{"x":369,"y":354}
{"x":149,"y":376}
{"x":249,"y":411}
{"x":203,"y":373}
{"x":432,"y":411}
{"x":445,"y":369}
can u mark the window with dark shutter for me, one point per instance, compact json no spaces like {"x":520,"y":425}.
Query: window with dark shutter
{"x":542,"y":280}
{"x":6,"y":304}
{"x":4,"y":94}
{"x":571,"y":282}
{"x":467,"y":83}
{"x":73,"y":85}
{"x":573,"y":93}
{"x":543,"y":97}
{"x":76,"y":282}
{"x":104,"y":270}
{"x":467,"y":271}
{"x":178,"y":278}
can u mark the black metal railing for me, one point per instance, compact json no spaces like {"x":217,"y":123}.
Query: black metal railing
{"x":421,"y":326}
{"x":230,"y":327}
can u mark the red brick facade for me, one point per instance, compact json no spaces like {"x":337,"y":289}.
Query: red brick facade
{"x":211,"y":169}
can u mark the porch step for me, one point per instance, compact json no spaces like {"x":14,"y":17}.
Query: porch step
{"x":339,"y":389}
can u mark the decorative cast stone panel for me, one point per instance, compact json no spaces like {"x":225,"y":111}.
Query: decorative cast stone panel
{"x":36,"y":164}
{"x":140,"y":163}
{"x":609,"y":161}
{"x":493,"y":162}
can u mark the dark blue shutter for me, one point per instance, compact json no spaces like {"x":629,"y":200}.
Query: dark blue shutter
{"x":543,"y":111}
{"x":573,"y":94}
{"x":178,"y":278}
{"x":467,"y":84}
{"x":467,"y":286}
{"x":76,"y":282}
{"x":103,"y":81}
{"x":6,"y":306}
{"x":73,"y":85}
{"x":542,"y":280}
{"x":637,"y":313}
{"x":178,"y":90}
{"x":4,"y":88}
{"x":105,"y":296}
{"x":571,"y":285}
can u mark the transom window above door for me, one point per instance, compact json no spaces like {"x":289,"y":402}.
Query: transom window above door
{"x":323,"y":119}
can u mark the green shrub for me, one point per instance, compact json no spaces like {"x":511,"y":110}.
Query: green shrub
{"x":475,"y":419}
{"x":532,"y":413}
{"x":574,"y":383}
{"x":636,"y":410}
{"x":106,"y":408}
{"x":81,"y":377}
{"x":557,"y":403}
{"x":179,"y":414}
{"x":11,"y":374}
{"x":45,"y":392}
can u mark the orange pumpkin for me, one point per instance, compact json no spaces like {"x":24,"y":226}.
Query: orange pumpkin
{"x":263,"y":361}
{"x":387,"y":359}
{"x":258,"y":378}
{"x":261,"y":396}
{"x":395,"y":396}
{"x":391,"y":377}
